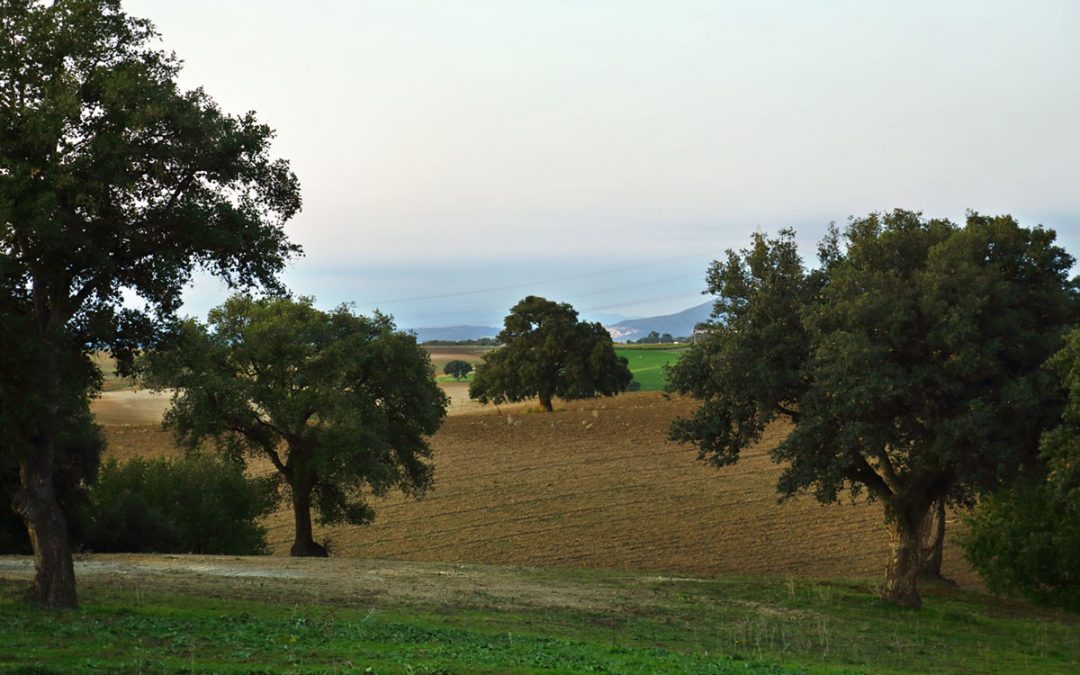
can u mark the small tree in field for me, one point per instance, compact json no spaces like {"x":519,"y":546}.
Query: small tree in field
{"x":114,"y":184}
{"x":910,"y":363}
{"x":340,"y":404}
{"x":548,"y":352}
{"x":458,"y":369}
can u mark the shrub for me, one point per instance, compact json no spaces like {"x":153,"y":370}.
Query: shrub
{"x":193,"y":504}
{"x":1026,"y":541}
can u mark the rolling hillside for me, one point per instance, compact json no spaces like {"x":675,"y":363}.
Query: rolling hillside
{"x":680,"y":324}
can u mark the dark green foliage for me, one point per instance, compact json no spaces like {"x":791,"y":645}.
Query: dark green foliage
{"x":193,"y":504}
{"x":340,"y":404}
{"x":113,"y":178}
{"x":114,"y":183}
{"x":548,"y":352}
{"x":909,"y":362}
{"x":458,"y":369}
{"x":1026,"y":538}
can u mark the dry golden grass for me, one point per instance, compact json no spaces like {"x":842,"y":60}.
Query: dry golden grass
{"x":596,"y":485}
{"x":440,"y":356}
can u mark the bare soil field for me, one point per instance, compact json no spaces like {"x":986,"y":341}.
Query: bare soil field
{"x":597,"y":485}
{"x":130,"y":407}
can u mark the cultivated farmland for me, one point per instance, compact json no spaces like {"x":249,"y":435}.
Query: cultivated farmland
{"x":596,"y":484}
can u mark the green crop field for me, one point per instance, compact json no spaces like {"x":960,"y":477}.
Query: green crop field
{"x":647,"y":365}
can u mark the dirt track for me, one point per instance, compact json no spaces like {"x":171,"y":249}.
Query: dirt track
{"x":336,"y":581}
{"x":141,"y":407}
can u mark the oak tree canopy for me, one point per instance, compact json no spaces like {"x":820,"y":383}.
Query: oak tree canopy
{"x":910,"y":363}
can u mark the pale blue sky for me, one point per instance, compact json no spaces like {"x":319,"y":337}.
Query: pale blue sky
{"x":449,"y":147}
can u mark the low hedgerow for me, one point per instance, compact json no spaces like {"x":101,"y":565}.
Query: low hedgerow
{"x":198,"y":503}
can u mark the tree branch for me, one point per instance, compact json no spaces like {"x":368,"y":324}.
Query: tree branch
{"x":863,"y":472}
{"x":275,"y":459}
{"x":793,"y":415}
{"x":180,"y":188}
{"x":267,"y":448}
{"x":890,"y":477}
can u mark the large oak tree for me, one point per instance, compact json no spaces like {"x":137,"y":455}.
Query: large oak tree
{"x":114,"y":184}
{"x":909,"y":362}
{"x":547,"y":352}
{"x":341,"y":405}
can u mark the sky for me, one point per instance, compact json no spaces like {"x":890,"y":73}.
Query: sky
{"x":457,"y":156}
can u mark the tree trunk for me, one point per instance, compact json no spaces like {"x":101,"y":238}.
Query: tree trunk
{"x":904,"y":559}
{"x":933,"y":541}
{"x":35,"y":501}
{"x":303,"y":544}
{"x":545,"y":402}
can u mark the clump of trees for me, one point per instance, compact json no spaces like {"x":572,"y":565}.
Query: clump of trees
{"x":457,"y":369}
{"x":1026,"y":538}
{"x":340,"y":404}
{"x":197,"y":503}
{"x":654,"y":338}
{"x":547,"y":352}
{"x":910,"y":363}
{"x":474,"y":342}
{"x":114,"y":183}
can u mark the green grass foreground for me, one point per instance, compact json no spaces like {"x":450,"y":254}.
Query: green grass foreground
{"x":688,"y":626}
{"x":647,"y":363}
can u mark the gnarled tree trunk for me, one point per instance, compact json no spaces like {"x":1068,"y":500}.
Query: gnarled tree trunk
{"x":545,"y":402}
{"x":904,"y":559}
{"x":36,"y":502}
{"x":304,"y":544}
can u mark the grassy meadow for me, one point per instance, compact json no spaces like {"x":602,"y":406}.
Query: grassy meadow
{"x":592,"y":622}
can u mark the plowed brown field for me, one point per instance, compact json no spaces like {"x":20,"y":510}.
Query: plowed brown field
{"x":596,"y":484}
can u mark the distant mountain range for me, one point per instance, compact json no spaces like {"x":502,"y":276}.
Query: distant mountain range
{"x":679,"y":325}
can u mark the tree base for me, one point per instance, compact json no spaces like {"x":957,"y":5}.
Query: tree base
{"x":902,"y":597}
{"x":63,"y":598}
{"x":308,"y":550}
